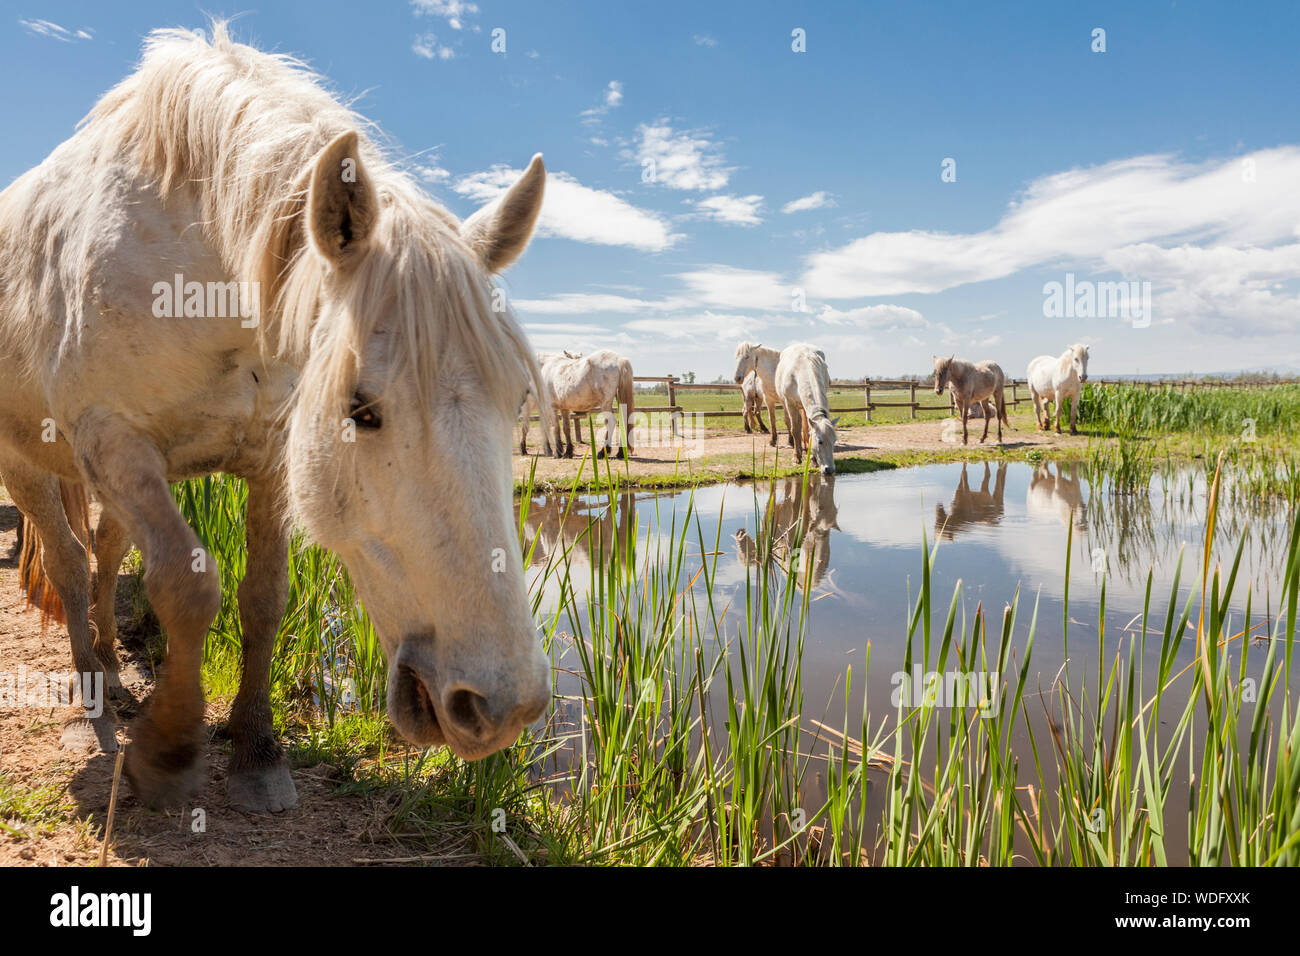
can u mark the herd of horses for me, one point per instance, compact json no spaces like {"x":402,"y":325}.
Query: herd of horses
{"x":368,"y":398}
{"x":797,"y":378}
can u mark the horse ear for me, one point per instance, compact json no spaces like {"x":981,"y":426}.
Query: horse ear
{"x":342,"y":204}
{"x":836,"y":420}
{"x":499,"y":231}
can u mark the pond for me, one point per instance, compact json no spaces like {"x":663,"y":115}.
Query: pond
{"x":999,"y":530}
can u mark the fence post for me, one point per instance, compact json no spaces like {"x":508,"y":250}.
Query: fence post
{"x":1015,"y":398}
{"x":913,"y":389}
{"x":672,"y":405}
{"x":868,"y":402}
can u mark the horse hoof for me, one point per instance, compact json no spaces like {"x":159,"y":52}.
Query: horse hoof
{"x":262,"y":789}
{"x":164,"y":772}
{"x":90,"y":735}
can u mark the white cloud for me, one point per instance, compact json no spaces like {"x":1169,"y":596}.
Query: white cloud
{"x":431,"y":173}
{"x":52,"y":30}
{"x":703,"y":39}
{"x":685,"y":160}
{"x":580,"y":303}
{"x":574,"y":211}
{"x":818,"y":200}
{"x":613,"y":97}
{"x":879,"y":318}
{"x":740,"y":210}
{"x":453,"y":11}
{"x":427,"y":46}
{"x":729,"y":287}
{"x":1091,"y":216}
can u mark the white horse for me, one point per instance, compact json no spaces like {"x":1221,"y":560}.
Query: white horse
{"x":751,"y":392}
{"x":599,"y":381}
{"x":804,"y":384}
{"x":364,"y":387}
{"x":752,"y":357}
{"x":1055,"y":380}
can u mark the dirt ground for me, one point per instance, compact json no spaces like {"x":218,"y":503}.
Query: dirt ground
{"x":723,"y":452}
{"x":326,"y":829}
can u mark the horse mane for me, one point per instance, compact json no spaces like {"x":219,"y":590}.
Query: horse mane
{"x":241,"y":128}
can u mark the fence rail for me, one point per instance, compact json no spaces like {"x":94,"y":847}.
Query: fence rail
{"x":1019,"y":389}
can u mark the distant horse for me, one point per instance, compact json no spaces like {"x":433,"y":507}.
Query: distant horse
{"x":220,"y":272}
{"x":973,"y":382}
{"x":968,"y":507}
{"x":1055,"y":380}
{"x":751,"y":391}
{"x":753,"y":358}
{"x":804,"y":384}
{"x":600,"y":381}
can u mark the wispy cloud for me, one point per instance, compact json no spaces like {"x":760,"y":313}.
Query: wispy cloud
{"x":454,"y":12}
{"x":574,"y":211}
{"x":680,"y":160}
{"x":818,"y":200}
{"x":703,"y":39}
{"x":612,"y":98}
{"x":46,"y":28}
{"x":427,"y":46}
{"x":732,"y":288}
{"x":737,"y":210}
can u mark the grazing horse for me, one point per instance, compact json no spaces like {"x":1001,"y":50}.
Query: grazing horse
{"x":752,"y":357}
{"x":599,"y":381}
{"x":804,"y":384}
{"x":1055,"y":380}
{"x":363,"y":386}
{"x":973,"y":382}
{"x":751,"y":390}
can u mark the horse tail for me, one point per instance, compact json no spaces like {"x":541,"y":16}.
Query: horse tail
{"x":36,"y":584}
{"x":626,"y":396}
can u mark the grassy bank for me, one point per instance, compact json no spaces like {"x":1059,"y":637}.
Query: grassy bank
{"x":683,"y":735}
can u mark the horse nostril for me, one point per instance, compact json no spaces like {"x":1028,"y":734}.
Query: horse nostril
{"x":469,"y":712}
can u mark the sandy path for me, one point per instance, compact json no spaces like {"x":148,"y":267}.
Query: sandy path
{"x":727,"y":451}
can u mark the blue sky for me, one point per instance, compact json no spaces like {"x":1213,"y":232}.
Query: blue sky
{"x":702,"y":171}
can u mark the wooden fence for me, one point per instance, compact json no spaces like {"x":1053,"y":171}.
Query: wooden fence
{"x":1018,"y":389}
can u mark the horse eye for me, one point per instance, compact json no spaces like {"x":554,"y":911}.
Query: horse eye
{"x":364,"y":412}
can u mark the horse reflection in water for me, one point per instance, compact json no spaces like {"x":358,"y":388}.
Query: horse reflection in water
{"x":1057,"y":495}
{"x":972,"y":507}
{"x":558,"y":529}
{"x":796,"y":530}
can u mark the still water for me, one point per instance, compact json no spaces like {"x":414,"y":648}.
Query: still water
{"x":1003,"y":532}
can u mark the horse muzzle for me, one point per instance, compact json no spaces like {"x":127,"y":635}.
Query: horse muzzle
{"x":431,"y":705}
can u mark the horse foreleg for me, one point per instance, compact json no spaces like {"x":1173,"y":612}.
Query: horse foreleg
{"x":1058,"y":413}
{"x":771,"y":417}
{"x":965,"y":417}
{"x":1074,"y":414}
{"x":258,"y":777}
{"x":568,"y":435}
{"x":64,"y":563}
{"x":182,"y":582}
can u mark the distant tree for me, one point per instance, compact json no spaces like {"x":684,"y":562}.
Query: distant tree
{"x":688,"y":378}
